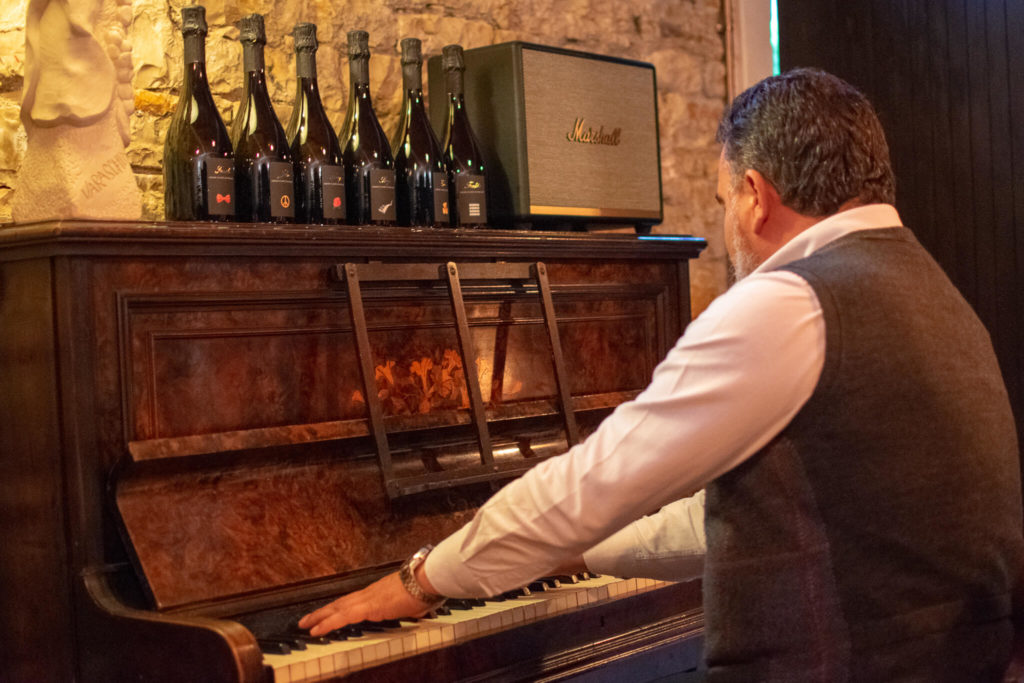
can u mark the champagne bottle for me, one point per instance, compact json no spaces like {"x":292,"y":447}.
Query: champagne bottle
{"x":199,"y":170}
{"x":369,"y":167}
{"x":421,"y":185}
{"x":462,"y":158}
{"x":264,"y":177}
{"x":319,"y":175}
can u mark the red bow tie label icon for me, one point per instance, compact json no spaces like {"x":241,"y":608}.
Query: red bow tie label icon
{"x":223,"y":198}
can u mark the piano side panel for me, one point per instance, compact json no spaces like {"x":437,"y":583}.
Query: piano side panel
{"x":119,"y":643}
{"x":34,"y":578}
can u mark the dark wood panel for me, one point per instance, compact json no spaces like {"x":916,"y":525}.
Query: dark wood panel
{"x":1014,"y":29}
{"x":290,"y":358}
{"x":940,"y":199}
{"x":1003,"y":268}
{"x":34,"y":573}
{"x":978,"y":58}
{"x":964,"y":222}
{"x":229,"y":531}
{"x":947,"y":79}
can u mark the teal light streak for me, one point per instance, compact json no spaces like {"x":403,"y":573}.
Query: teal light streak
{"x":773,"y":28}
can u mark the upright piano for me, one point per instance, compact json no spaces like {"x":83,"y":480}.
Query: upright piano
{"x":207,"y":430}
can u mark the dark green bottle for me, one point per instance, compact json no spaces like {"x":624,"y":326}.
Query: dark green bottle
{"x":199,"y":169}
{"x":319,"y":174}
{"x":421,"y":184}
{"x":264,"y":177}
{"x":467,"y":180}
{"x":369,"y":167}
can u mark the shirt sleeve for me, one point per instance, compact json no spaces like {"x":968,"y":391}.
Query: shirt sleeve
{"x":731,"y":383}
{"x":668,"y":545}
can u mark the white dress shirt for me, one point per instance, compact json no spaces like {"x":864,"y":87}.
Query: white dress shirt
{"x":732,"y":382}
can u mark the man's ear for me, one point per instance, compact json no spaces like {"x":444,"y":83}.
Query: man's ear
{"x":763,"y":198}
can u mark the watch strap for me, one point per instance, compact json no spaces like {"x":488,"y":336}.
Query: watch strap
{"x":407,"y":574}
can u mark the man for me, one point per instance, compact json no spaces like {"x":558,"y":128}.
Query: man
{"x":843,"y":407}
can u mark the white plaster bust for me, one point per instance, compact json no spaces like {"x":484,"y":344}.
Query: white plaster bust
{"x":75,"y":107}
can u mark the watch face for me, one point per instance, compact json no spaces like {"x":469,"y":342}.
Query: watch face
{"x":420,"y":555}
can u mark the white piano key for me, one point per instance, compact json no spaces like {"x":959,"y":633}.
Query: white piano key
{"x":422,"y":639}
{"x":409,"y":644}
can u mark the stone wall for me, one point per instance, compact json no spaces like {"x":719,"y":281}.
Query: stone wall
{"x":682,"y":38}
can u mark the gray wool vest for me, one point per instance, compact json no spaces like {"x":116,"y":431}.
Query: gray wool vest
{"x":878,"y":536}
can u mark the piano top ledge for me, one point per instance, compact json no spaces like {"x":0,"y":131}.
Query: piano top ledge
{"x":111,"y":236}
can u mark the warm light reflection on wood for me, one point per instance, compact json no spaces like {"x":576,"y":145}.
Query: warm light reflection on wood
{"x":410,"y":387}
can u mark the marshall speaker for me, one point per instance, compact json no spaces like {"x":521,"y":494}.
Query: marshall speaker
{"x":570,"y":138}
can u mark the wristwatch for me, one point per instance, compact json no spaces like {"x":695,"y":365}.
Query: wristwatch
{"x":407,"y":574}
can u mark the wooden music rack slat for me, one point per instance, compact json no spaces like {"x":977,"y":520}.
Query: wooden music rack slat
{"x":528,"y":275}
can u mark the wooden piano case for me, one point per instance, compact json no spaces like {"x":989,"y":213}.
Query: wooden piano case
{"x":200,"y":422}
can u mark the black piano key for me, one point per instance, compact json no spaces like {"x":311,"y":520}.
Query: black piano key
{"x":378,"y":626}
{"x":552,"y":581}
{"x":293,"y":641}
{"x":386,"y":623}
{"x":459,"y":604}
{"x":369,"y":627}
{"x":337,"y":634}
{"x":352,"y":631}
{"x":538,"y":586}
{"x":273,"y":647}
{"x":293,"y":630}
{"x":442,"y":611}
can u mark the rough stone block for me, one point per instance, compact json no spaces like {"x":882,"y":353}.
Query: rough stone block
{"x":12,"y":138}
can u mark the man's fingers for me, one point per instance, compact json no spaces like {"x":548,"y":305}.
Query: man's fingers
{"x":315,"y":617}
{"x":383,"y":599}
{"x":338,"y":619}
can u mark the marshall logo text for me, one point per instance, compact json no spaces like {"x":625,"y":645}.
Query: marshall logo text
{"x":582,"y":133}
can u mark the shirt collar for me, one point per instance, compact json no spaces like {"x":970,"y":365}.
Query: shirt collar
{"x":867,"y":217}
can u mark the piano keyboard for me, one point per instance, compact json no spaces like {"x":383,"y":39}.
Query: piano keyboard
{"x":338,"y":658}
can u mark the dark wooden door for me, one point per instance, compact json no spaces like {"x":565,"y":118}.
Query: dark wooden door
{"x":947,"y":79}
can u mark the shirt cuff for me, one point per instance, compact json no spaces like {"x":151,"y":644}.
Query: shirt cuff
{"x":446,"y":571}
{"x":668,"y":545}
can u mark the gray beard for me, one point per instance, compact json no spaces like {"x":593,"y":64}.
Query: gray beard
{"x":741,"y":261}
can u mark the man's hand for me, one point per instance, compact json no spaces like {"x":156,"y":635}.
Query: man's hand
{"x":383,"y":599}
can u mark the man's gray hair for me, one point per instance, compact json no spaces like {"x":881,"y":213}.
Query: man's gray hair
{"x":814,"y":137}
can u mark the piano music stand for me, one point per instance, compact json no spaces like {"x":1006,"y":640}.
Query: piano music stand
{"x":530,"y":275}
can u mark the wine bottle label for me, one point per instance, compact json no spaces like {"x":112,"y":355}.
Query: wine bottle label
{"x":220,"y":185}
{"x":472,"y":198}
{"x":441,"y":212}
{"x":382,"y":194}
{"x":333,"y":178}
{"x":282,"y":190}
